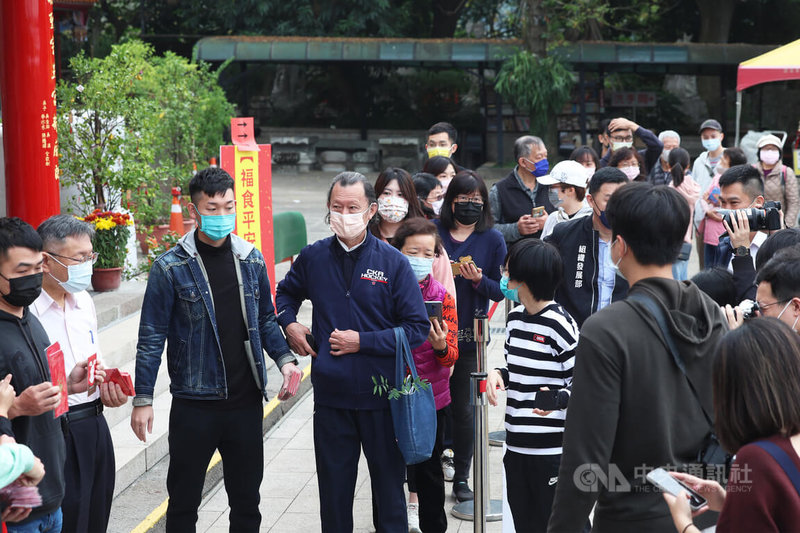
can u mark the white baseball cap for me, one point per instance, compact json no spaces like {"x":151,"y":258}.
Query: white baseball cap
{"x":567,"y":172}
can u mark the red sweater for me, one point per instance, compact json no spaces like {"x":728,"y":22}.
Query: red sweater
{"x":760,"y":498}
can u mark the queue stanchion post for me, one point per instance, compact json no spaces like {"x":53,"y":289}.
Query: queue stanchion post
{"x":482,"y":508}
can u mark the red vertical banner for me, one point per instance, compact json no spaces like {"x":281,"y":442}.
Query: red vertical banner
{"x":252,"y":173}
{"x":28,"y":91}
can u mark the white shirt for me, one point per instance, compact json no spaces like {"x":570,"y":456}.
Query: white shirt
{"x":606,"y":274}
{"x":75,"y":330}
{"x":755,"y":244}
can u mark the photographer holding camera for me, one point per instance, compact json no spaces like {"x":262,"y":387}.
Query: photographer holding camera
{"x":747,"y":223}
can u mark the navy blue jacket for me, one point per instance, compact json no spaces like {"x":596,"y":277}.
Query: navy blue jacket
{"x":382,"y":294}
{"x":488,"y":251}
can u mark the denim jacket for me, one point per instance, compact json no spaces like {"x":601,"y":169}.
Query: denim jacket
{"x":178,"y":308}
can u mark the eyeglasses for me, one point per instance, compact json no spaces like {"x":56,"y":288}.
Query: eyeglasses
{"x":764,"y":306}
{"x":627,"y":139}
{"x":78,"y":260}
{"x":473,"y":201}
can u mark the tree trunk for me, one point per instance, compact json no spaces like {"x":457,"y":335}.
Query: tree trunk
{"x":533,"y":27}
{"x":445,"y":17}
{"x":716,"y":17}
{"x":715,"y":20}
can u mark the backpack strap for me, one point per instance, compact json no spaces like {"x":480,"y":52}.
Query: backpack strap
{"x":657,"y":313}
{"x":783,"y":460}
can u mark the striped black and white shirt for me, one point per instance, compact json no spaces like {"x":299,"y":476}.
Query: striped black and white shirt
{"x":540,"y":352}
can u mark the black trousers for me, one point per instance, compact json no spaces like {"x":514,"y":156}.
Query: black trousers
{"x":339,"y":437}
{"x":427,"y":480}
{"x":195,"y":432}
{"x":463,"y":423}
{"x":530,"y":489}
{"x":89,"y":472}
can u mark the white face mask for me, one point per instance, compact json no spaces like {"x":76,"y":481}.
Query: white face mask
{"x":392,"y":208}
{"x":616,"y":145}
{"x":784,"y":309}
{"x":348,"y":226}
{"x":445,"y":182}
{"x":665,"y":154}
{"x":437,"y":206}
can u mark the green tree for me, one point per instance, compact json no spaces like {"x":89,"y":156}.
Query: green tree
{"x":105,"y":144}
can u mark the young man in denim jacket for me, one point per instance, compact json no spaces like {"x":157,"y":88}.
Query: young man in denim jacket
{"x":209,"y":299}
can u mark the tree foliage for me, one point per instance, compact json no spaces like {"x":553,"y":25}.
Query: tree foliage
{"x":538,"y":85}
{"x":133,"y":121}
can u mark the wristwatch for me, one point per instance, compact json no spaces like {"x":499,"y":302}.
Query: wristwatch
{"x":741,"y":251}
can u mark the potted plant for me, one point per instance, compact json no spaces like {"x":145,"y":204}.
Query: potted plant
{"x":112,"y":230}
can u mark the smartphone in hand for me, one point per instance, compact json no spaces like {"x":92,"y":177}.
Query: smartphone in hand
{"x":434,"y":310}
{"x":661,"y":479}
{"x":546,"y":400}
{"x":537,"y":212}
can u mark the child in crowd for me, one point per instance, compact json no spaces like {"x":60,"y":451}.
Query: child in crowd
{"x":540,"y":354}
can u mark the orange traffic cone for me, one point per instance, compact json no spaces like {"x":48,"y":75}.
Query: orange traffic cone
{"x":176,"y":214}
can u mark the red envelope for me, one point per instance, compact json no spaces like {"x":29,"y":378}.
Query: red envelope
{"x":58,"y":376}
{"x":123,"y":379}
{"x":291,"y":389}
{"x":92,"y":368}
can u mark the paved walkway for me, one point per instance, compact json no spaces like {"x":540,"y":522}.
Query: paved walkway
{"x":289,"y":495}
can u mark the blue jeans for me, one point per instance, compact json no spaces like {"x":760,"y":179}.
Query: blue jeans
{"x":49,"y":523}
{"x":680,"y":270}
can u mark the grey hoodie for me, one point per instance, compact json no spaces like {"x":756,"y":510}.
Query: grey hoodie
{"x":632,"y":407}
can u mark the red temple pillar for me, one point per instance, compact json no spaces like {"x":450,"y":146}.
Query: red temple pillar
{"x":28,"y":91}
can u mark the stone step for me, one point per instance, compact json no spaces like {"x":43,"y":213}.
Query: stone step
{"x":118,"y":304}
{"x":118,"y":341}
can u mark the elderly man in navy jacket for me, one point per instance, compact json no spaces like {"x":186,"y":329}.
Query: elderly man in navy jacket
{"x":360,"y":288}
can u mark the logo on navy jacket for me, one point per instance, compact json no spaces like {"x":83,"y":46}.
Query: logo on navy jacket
{"x":375,"y":276}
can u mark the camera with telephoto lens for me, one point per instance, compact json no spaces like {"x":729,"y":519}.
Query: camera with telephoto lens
{"x":766,"y":218}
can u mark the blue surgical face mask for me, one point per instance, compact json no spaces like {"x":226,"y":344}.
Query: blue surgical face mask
{"x":541,"y":168}
{"x":217,"y":227}
{"x":422,"y":266}
{"x":78,"y":276}
{"x":511,"y":294}
{"x":711,"y":144}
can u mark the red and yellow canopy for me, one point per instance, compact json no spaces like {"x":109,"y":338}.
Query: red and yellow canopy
{"x":778,"y":65}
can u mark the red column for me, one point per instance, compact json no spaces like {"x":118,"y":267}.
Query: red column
{"x":28,"y":91}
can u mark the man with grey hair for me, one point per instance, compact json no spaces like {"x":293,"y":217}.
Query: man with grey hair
{"x":514,"y":199}
{"x":361,"y":288}
{"x":67,"y":314}
{"x":659,"y":174}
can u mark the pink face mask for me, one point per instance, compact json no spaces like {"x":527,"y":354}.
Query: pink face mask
{"x":631,"y":172}
{"x":770,"y":157}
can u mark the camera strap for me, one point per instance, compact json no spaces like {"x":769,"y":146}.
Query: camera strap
{"x":657,"y":313}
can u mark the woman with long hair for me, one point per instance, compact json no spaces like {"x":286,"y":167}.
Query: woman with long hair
{"x":478,"y":251}
{"x":757,"y":417}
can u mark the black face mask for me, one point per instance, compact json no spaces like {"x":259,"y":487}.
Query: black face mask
{"x":467,"y":213}
{"x":23,"y":290}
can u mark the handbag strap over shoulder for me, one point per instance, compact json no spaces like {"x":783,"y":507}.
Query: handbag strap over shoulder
{"x":403,"y":358}
{"x":783,"y":460}
{"x":658,"y":314}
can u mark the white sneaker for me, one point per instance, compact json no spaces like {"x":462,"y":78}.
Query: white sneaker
{"x":413,"y":518}
{"x":448,"y":467}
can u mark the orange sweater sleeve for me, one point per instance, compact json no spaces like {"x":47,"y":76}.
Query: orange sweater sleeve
{"x":450,"y":318}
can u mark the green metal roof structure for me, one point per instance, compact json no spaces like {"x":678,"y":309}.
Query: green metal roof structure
{"x":677,"y":58}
